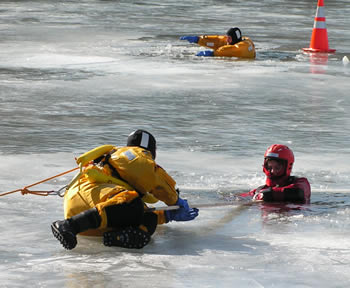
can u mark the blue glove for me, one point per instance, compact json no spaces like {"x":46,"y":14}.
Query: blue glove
{"x":205,"y":53}
{"x":184,"y":213}
{"x":191,"y":39}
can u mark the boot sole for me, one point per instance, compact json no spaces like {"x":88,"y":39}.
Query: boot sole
{"x":130,"y":237}
{"x":67,"y":239}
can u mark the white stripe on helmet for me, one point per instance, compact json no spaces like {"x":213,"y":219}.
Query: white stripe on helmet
{"x":272,"y":155}
{"x":238,"y":34}
{"x":144,"y":140}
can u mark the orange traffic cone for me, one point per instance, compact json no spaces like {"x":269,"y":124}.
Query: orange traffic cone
{"x":319,"y":37}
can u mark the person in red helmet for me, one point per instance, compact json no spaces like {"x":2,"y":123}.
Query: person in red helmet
{"x":280,"y":186}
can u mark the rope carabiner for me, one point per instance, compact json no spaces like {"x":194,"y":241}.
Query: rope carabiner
{"x":42,"y":193}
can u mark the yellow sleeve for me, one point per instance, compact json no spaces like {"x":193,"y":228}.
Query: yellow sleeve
{"x":164,"y":188}
{"x":136,"y":166}
{"x":212,"y":41}
{"x":243,"y":49}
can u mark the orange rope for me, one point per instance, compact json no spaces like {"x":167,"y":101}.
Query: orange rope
{"x":41,"y":193}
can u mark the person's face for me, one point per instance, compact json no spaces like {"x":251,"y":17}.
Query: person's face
{"x":229,"y":39}
{"x":275,"y":167}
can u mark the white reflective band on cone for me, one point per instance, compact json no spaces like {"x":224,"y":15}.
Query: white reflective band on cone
{"x":320,"y":25}
{"x":320,"y":12}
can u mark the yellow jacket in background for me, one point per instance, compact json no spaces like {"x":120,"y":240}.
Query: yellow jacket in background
{"x":243,"y":49}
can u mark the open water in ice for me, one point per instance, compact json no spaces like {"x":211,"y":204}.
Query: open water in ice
{"x":78,"y":74}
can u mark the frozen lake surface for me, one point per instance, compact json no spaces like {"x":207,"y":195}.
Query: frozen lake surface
{"x":78,"y":74}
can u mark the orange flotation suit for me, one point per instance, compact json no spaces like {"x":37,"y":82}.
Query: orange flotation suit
{"x":242,"y":49}
{"x":96,"y":185}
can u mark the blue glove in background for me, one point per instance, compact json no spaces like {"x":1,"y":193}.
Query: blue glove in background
{"x":191,"y":39}
{"x":205,"y":53}
{"x":184,"y":213}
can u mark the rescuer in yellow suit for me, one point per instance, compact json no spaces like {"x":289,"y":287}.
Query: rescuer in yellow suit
{"x":108,"y":196}
{"x":230,"y":45}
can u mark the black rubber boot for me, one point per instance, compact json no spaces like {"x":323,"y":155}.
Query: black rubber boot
{"x":65,"y":231}
{"x":129,"y":237}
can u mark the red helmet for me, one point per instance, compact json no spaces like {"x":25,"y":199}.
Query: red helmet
{"x":279,"y":152}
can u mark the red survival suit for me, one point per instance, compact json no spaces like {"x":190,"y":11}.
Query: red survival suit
{"x":294,"y":189}
{"x":284,"y":188}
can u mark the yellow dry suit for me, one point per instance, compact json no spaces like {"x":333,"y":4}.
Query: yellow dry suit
{"x":120,"y":176}
{"x":242,"y":49}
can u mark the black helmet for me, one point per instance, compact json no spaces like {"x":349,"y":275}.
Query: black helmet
{"x":144,"y":139}
{"x":235,"y":34}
